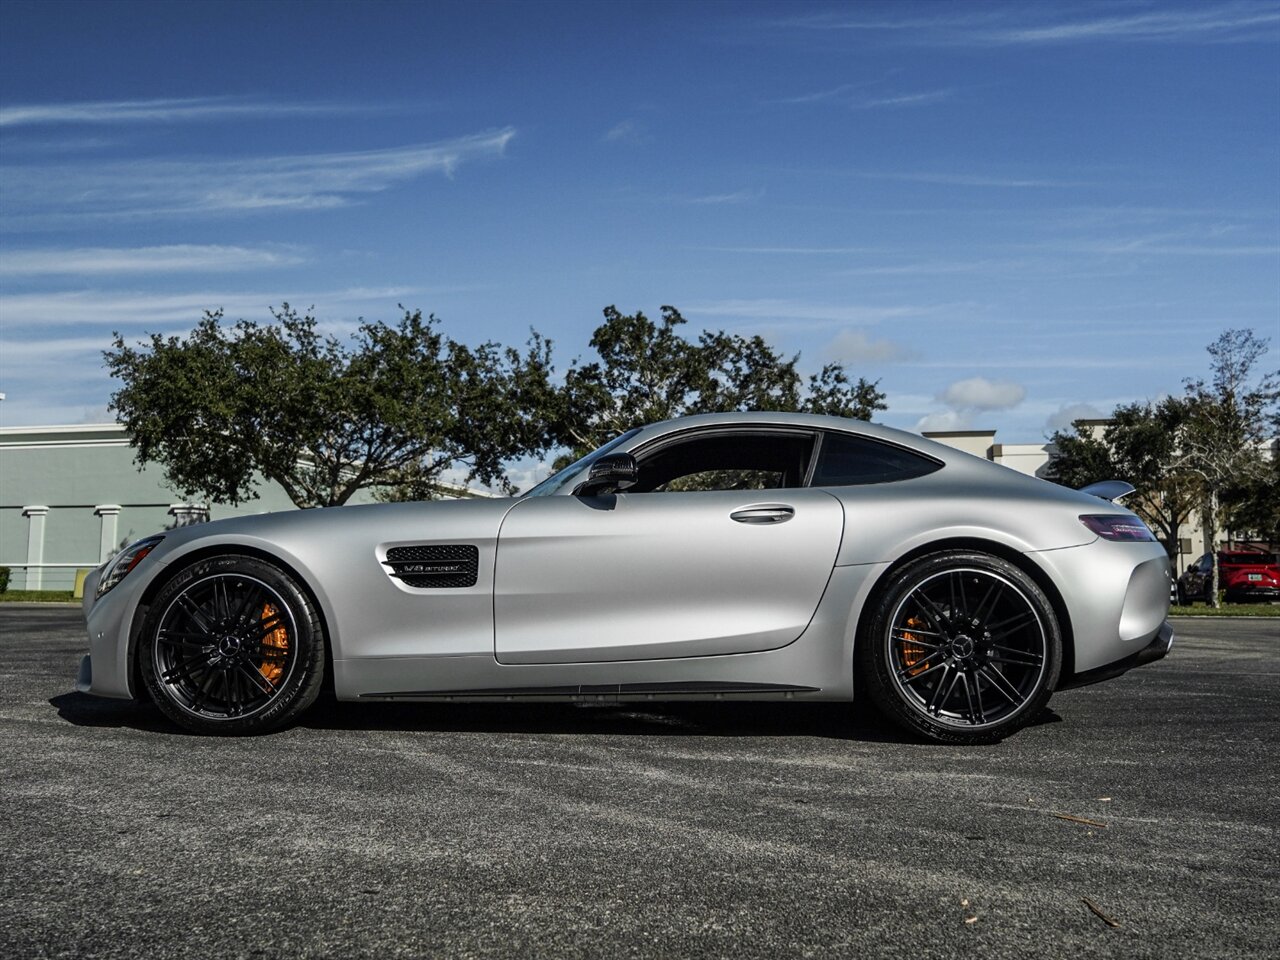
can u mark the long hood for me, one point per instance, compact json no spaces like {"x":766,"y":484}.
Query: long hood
{"x":367,"y":523}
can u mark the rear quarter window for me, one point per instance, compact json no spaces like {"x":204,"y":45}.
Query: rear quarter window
{"x":846,"y":460}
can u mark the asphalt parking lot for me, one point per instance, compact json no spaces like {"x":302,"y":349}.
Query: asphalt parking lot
{"x":729,"y":830}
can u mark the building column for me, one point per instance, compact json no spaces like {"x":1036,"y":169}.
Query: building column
{"x":35,"y":545}
{"x":110,"y":513}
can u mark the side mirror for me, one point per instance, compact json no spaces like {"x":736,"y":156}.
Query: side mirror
{"x":609,"y":474}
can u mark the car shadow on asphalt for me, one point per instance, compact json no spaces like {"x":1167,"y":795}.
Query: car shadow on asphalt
{"x":86,"y":711}
{"x":839,"y":721}
{"x":655,"y":718}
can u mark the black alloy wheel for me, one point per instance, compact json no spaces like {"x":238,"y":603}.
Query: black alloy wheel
{"x":961,"y":648}
{"x":232,"y":646}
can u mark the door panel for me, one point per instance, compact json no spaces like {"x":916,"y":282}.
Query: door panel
{"x":655,"y":575}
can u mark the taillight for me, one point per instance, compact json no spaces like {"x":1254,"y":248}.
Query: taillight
{"x":1113,"y":527}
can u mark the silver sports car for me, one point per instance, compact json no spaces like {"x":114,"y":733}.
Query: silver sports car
{"x":728,"y":556}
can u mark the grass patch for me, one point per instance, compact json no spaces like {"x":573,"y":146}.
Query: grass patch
{"x":1227,"y":610}
{"x":36,"y":596}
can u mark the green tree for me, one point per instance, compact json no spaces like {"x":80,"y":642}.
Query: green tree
{"x":1140,"y":445}
{"x":1230,"y":417}
{"x":646,"y":371}
{"x":394,"y":407}
{"x":1252,"y":506}
{"x":1081,"y":458}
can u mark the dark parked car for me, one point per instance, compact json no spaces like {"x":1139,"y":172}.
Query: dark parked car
{"x":1245,"y":576}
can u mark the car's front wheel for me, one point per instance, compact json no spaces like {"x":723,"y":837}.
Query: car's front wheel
{"x":960,"y":647}
{"x":232,"y":645}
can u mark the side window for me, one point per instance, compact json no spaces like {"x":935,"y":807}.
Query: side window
{"x":846,"y":460}
{"x":727,"y":479}
{"x":732,"y":460}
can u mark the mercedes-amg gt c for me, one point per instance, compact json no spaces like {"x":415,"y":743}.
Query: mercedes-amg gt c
{"x":729,"y":556}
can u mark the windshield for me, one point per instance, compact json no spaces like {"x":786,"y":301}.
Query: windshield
{"x":562,"y":478}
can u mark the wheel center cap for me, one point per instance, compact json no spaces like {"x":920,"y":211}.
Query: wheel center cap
{"x":962,"y":646}
{"x":229,"y":646}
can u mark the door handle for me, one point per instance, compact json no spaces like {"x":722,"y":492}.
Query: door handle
{"x":777,"y":514}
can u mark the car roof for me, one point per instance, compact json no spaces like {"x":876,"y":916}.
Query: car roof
{"x":1248,"y":556}
{"x":809,"y":421}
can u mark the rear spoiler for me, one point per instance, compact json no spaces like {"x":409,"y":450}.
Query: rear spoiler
{"x":1113,"y":490}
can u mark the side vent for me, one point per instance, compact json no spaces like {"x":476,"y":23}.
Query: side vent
{"x":448,"y":565}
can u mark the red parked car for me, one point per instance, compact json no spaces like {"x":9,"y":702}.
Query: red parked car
{"x":1245,"y":576}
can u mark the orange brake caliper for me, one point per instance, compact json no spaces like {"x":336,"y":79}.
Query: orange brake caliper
{"x":912,"y":650}
{"x":275,"y":647}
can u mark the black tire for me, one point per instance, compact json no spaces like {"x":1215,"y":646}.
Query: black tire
{"x":960,"y":647}
{"x":1181,"y":599}
{"x":232,"y":645}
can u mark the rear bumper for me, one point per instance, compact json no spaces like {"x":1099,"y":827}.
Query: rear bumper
{"x":1251,"y":594}
{"x":1157,"y":649}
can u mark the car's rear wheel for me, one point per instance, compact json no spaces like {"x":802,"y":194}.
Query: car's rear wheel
{"x":960,"y":647}
{"x":232,"y":645}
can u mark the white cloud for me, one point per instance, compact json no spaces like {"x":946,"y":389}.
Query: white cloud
{"x":127,"y":310}
{"x":939,"y":268}
{"x":921,"y":99}
{"x":1027,"y":24}
{"x":1062,"y":362}
{"x":799,"y":251}
{"x":1207,"y":21}
{"x":52,"y":380}
{"x":20,"y":409}
{"x":854,"y":97}
{"x":823,"y":96}
{"x":800,"y":310}
{"x":51,"y":362}
{"x":854,"y":346}
{"x":1166,"y":245}
{"x":944,"y":420}
{"x":529,"y":472}
{"x":955,"y":179}
{"x":163,"y":110}
{"x":738,"y":196}
{"x":164,"y":259}
{"x":53,"y":349}
{"x":979,"y":393}
{"x":57,"y":144}
{"x":98,"y":414}
{"x":148,"y":188}
{"x":628,"y":131}
{"x":1064,"y":417}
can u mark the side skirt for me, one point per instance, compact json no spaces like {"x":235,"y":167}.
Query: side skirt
{"x":607,"y":691}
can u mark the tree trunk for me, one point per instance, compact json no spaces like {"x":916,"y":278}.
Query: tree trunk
{"x":1210,"y":521}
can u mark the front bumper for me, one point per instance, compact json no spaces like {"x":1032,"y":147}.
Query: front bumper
{"x":1157,"y":649}
{"x":107,"y":670}
{"x":84,"y":678}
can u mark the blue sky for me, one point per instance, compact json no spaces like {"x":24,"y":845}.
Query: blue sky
{"x":1009,"y":214}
